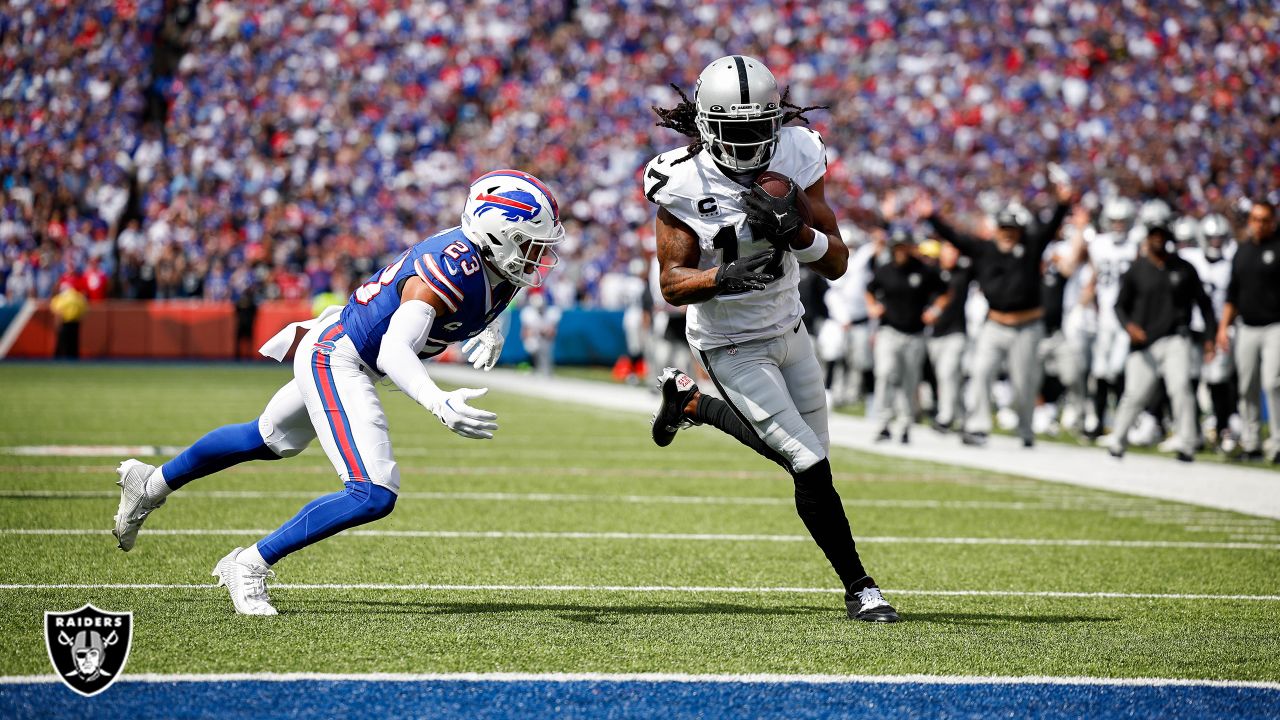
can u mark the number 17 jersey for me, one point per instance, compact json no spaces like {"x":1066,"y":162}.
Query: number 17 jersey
{"x":702,"y":196}
{"x":451,"y":267}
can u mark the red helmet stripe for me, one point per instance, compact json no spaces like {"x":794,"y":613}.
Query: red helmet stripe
{"x":499,"y":200}
{"x":555,"y":207}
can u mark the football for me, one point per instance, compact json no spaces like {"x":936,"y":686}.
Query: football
{"x":776,"y":184}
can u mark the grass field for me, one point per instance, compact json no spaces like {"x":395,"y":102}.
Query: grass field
{"x":529,"y":598}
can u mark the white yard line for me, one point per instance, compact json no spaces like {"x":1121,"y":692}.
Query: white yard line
{"x":1047,"y":505}
{"x":481,"y":470}
{"x":1247,"y":490}
{"x":649,"y":589}
{"x":655,"y":677}
{"x":681,"y":537}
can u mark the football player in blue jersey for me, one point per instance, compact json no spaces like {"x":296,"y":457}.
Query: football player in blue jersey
{"x":445,"y":289}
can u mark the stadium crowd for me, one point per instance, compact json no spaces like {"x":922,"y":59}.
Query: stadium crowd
{"x":301,"y":144}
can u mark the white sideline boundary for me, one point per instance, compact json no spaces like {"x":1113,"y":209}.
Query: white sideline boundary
{"x":657,"y":677}
{"x":1225,"y":487}
{"x":681,"y":537}
{"x":651,"y":589}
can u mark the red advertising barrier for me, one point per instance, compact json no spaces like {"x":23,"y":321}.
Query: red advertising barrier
{"x":160,"y":329}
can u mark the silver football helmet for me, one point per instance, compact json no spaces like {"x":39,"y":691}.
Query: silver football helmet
{"x":1215,"y":233}
{"x":739,"y":112}
{"x":1117,"y":216}
{"x":1155,"y":212}
{"x":1186,"y":230}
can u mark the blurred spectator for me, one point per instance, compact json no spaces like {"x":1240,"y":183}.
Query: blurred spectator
{"x":68,"y":306}
{"x":343,"y":131}
{"x":539,"y":322}
{"x":246,"y":303}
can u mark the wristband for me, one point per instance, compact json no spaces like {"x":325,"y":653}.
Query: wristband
{"x":815,"y":250}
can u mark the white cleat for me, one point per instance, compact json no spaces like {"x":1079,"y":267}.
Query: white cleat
{"x":134,"y":504}
{"x":246,"y":583}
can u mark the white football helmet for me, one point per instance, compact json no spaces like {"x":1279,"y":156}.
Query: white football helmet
{"x":1155,"y":212}
{"x":1118,"y":214}
{"x":1186,"y":230}
{"x":739,"y":112}
{"x":514,"y":220}
{"x":1215,"y":233}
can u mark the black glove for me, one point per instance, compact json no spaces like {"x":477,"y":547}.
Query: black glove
{"x":740,"y":276}
{"x":773,"y":219}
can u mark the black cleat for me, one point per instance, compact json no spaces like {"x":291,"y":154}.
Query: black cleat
{"x":884,"y":435}
{"x":1116,"y":452}
{"x":938,"y":427}
{"x":1028,"y":442}
{"x":906,"y":437}
{"x":976,"y":439}
{"x":868,"y":604}
{"x":1186,"y":457}
{"x":676,"y":388}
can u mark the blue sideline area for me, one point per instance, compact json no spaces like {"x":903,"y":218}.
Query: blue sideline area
{"x":583,"y":337}
{"x":613,"y":699}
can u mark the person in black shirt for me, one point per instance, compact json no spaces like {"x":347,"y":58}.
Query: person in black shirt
{"x":947,"y":337}
{"x":905,"y":295}
{"x":1008,"y":272}
{"x":1254,"y":296}
{"x":1157,"y":294}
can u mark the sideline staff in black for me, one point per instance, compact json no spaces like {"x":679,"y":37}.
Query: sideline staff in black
{"x":1008,"y":272}
{"x":906,"y":295}
{"x":1254,"y":296}
{"x":1157,"y":293}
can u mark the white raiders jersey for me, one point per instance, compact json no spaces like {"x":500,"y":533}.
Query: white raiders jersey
{"x":1215,"y":276}
{"x":846,"y":298}
{"x":1109,"y":260}
{"x":699,"y":193}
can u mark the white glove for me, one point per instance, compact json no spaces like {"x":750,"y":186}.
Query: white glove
{"x":482,"y":351}
{"x":453,"y":410}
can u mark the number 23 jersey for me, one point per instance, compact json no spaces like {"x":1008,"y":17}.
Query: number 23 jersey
{"x":450,"y":265}
{"x":699,"y":193}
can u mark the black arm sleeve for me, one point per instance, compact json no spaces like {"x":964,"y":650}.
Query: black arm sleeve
{"x":1205,"y":304}
{"x":1233,"y":287}
{"x":1124,"y":301}
{"x":1047,"y":233}
{"x":967,"y":244}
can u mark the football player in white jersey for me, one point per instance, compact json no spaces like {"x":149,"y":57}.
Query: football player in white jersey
{"x":1211,"y":257}
{"x":1110,"y":254}
{"x":731,"y":252}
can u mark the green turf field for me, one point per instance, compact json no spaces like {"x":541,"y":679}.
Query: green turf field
{"x":565,"y":469}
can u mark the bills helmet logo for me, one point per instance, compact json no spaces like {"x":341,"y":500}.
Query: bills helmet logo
{"x":514,"y":205}
{"x":88,"y":647}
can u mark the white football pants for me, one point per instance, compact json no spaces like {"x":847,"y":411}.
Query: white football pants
{"x":775,"y":385}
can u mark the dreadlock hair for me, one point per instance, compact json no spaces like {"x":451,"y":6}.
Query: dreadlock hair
{"x":683,"y":118}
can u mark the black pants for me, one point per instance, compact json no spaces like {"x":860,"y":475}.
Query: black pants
{"x":68,"y":341}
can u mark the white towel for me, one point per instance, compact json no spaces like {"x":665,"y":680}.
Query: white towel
{"x":282,"y":342}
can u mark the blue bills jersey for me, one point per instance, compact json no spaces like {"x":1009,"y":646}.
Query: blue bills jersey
{"x":450,"y":265}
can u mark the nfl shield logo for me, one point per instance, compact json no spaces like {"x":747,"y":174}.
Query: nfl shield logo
{"x":88,"y":647}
